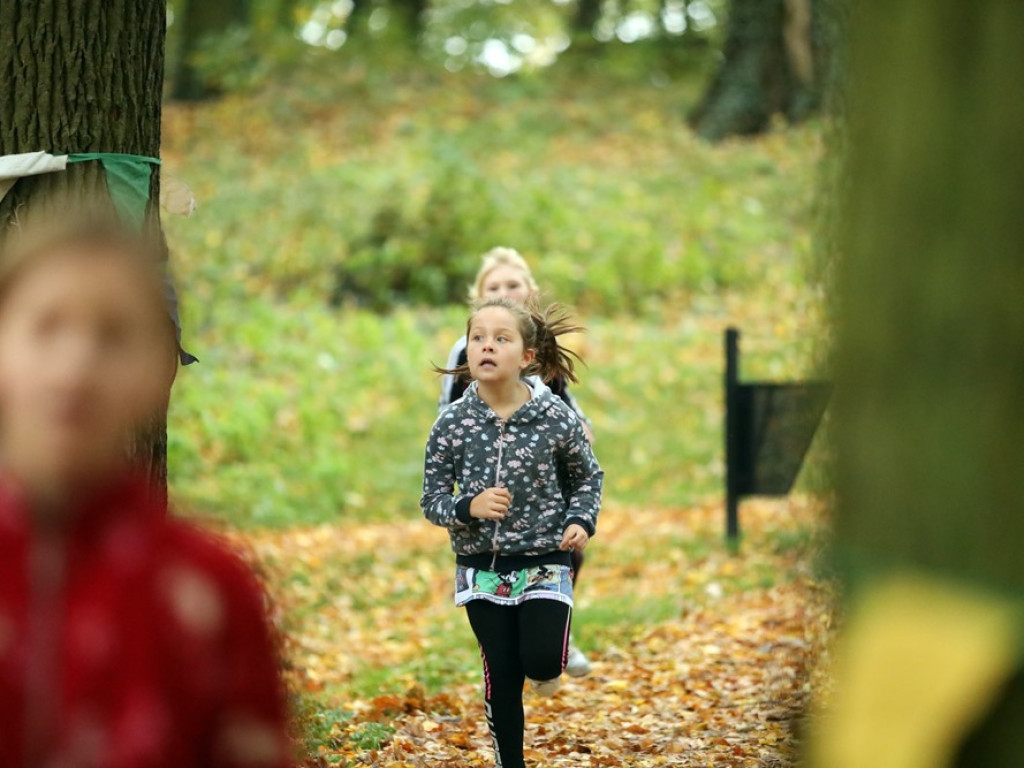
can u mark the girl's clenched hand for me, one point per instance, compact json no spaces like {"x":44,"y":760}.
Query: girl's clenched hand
{"x":492,"y":504}
{"x":575,"y":537}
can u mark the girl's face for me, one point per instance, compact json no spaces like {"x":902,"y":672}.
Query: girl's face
{"x":85,"y":357}
{"x":494,"y":347}
{"x":506,"y":281}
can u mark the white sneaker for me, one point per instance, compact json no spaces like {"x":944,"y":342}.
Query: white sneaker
{"x":546,"y":687}
{"x":577,"y":665}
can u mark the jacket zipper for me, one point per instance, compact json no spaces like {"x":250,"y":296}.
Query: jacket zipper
{"x":497,"y":484}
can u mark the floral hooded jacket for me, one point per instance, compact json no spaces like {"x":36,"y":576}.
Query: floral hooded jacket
{"x":540,"y":454}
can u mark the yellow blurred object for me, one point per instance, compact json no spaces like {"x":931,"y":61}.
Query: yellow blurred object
{"x":919,"y":663}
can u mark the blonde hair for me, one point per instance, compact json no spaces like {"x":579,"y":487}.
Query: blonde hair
{"x":500,"y":257}
{"x":540,"y":330}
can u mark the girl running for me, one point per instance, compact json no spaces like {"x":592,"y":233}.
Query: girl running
{"x":511,"y":474}
{"x":127,"y":638}
{"x":504,"y":273}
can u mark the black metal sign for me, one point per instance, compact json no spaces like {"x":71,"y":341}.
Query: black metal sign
{"x":769,"y":427}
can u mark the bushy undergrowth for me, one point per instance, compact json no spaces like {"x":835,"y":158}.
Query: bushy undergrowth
{"x":385,"y":194}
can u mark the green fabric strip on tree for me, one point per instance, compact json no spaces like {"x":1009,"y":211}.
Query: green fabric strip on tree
{"x":128,"y":179}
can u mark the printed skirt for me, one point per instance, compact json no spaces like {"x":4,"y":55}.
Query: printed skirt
{"x":541,"y":582}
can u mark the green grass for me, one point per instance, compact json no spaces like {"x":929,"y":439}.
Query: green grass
{"x":453,"y":659}
{"x":307,"y":415}
{"x":300,"y":413}
{"x":321,"y":723}
{"x":618,"y":620}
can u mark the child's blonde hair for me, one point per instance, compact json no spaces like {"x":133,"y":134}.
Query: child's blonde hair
{"x":501,"y":257}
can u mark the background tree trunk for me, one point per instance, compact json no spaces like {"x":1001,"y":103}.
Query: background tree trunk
{"x":200,"y":21}
{"x":410,"y":16}
{"x":83,"y":76}
{"x":931,"y":317}
{"x":358,"y":18}
{"x":286,"y":15}
{"x":588,"y":13}
{"x":769,"y":68}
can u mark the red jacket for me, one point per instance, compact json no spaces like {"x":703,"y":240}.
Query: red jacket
{"x":135,"y":641}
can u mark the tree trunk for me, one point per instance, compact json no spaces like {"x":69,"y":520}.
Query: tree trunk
{"x":931,"y":318}
{"x":201,"y":21}
{"x":588,"y":13}
{"x":358,"y":18}
{"x":83,"y":76}
{"x":768,"y":69}
{"x":410,"y":15}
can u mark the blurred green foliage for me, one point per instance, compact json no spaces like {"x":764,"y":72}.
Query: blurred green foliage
{"x":391,"y":192}
{"x":391,"y":188}
{"x":496,"y":36}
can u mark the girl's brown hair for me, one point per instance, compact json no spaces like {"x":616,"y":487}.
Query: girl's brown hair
{"x":540,"y":330}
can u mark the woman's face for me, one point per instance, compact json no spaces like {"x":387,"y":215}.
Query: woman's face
{"x":83,"y":361}
{"x":506,"y":282}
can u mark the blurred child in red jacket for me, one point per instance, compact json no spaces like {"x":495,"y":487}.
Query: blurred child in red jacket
{"x":127,"y":639}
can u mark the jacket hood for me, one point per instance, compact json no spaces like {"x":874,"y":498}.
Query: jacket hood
{"x":542,"y":399}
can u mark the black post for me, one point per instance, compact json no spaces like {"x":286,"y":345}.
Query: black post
{"x":732,"y":437}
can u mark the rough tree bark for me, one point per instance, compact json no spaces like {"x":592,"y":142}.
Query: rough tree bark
{"x":931,"y":317}
{"x":770,"y":67}
{"x":83,"y":76}
{"x":201,"y":20}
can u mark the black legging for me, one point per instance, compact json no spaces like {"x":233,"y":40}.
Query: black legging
{"x":530,"y":640}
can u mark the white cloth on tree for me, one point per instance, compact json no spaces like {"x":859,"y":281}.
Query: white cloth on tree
{"x":175,"y":195}
{"x":14,"y":167}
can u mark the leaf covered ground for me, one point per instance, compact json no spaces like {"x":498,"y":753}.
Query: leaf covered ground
{"x":700,"y":657}
{"x":302,"y":429}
